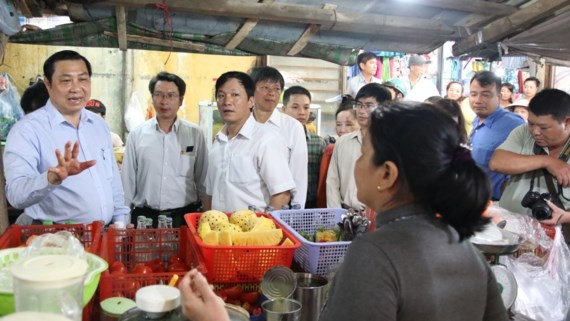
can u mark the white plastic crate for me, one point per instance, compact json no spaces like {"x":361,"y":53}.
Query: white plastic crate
{"x":315,"y":258}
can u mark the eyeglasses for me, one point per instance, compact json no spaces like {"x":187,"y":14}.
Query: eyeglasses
{"x":268,"y":89}
{"x":367,"y":106}
{"x":169,"y":96}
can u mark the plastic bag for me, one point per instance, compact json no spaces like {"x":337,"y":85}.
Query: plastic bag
{"x":134,"y":115}
{"x":62,"y":242}
{"x":10,"y":110}
{"x":541,"y":269}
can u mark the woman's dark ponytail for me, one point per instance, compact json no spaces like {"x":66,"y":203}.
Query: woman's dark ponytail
{"x":424,"y":143}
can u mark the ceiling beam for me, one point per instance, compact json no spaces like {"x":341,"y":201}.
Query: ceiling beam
{"x":477,"y":6}
{"x":506,"y":26}
{"x":311,"y":30}
{"x":330,"y":19}
{"x":243,"y":31}
{"x":121,"y":27}
{"x":162,"y":42}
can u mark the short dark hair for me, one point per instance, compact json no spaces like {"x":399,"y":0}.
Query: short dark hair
{"x":509,"y":86}
{"x":536,"y":81}
{"x":166,"y":76}
{"x":242,"y":77}
{"x":49,"y":64}
{"x":34,"y":97}
{"x":267,"y":74}
{"x":364,"y":57}
{"x":486,"y":78}
{"x":553,"y":102}
{"x":381,"y":93}
{"x":295,"y":90}
{"x":426,"y":158}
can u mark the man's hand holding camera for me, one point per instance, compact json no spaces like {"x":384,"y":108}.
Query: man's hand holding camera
{"x":559,"y":215}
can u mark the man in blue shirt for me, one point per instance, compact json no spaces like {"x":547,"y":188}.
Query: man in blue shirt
{"x":492,"y":125}
{"x":80,"y":184}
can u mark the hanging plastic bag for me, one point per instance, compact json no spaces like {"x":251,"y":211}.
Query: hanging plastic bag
{"x":134,"y":115}
{"x":542,"y":272}
{"x":10,"y":110}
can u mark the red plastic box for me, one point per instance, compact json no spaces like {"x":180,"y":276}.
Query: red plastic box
{"x":133,"y":247}
{"x":89,"y":234}
{"x":241,"y":264}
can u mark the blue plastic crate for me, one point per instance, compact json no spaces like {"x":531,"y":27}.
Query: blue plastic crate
{"x":315,"y":258}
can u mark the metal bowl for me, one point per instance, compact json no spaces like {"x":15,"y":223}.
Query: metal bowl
{"x":509,"y":247}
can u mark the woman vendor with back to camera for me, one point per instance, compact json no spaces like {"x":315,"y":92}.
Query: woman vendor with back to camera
{"x":414,"y":266}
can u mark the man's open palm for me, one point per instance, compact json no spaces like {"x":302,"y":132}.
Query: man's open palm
{"x":67,"y":164}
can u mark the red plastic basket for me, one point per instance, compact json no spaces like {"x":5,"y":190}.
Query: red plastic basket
{"x":134,"y":247}
{"x":89,"y":234}
{"x":241,"y":264}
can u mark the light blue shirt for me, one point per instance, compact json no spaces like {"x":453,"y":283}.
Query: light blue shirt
{"x":94,"y":194}
{"x":486,"y":137}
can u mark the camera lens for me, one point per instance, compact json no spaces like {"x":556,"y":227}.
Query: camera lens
{"x":541,"y":211}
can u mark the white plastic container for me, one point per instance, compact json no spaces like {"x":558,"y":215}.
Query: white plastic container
{"x":50,"y":283}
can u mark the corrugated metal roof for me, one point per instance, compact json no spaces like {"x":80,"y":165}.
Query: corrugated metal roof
{"x":333,"y":31}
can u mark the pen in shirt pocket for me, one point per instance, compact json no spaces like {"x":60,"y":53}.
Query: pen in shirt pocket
{"x":103,"y":153}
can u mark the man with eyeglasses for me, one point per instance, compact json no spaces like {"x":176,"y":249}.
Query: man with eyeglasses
{"x":166,"y":158}
{"x":269,"y":84}
{"x":491,"y":126}
{"x":341,"y":187}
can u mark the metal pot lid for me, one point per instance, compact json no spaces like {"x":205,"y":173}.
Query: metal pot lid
{"x":507,"y":284}
{"x":278,"y":282}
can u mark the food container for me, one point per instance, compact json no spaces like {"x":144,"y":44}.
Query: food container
{"x":8,"y":257}
{"x":241,"y":264}
{"x":50,"y":283}
{"x":313,"y":257}
{"x":311,"y":292}
{"x":133,"y":247}
{"x":278,"y":284}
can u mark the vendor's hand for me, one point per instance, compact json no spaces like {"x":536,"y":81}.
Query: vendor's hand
{"x":560,"y":170}
{"x":558,"y":215}
{"x":198,"y":300}
{"x":67,"y":164}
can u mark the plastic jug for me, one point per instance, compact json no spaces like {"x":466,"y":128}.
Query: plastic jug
{"x":50,"y":283}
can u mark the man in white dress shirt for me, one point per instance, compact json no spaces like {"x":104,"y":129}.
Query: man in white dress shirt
{"x":166,"y":158}
{"x":269,"y":84}
{"x":341,"y":187}
{"x":248,"y":161}
{"x":368,"y":65}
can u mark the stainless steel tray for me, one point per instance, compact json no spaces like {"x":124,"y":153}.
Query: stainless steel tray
{"x":512,"y":245}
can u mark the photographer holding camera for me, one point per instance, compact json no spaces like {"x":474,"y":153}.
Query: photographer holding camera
{"x":537,"y":156}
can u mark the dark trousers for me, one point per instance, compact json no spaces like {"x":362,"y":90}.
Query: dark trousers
{"x":177,"y":214}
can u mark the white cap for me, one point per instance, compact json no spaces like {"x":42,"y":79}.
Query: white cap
{"x":50,"y":271}
{"x":158,"y":298}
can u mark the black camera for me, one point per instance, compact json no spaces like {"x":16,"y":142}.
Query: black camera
{"x":537,"y":203}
